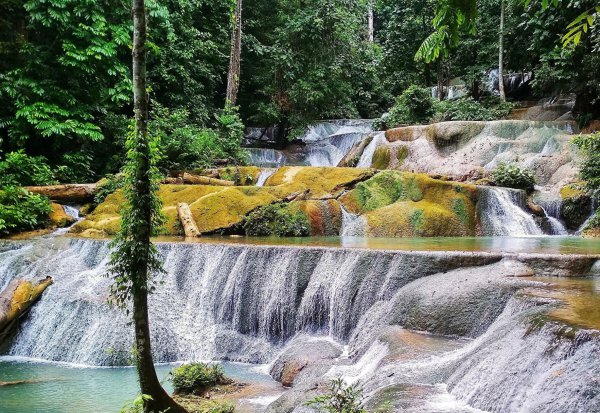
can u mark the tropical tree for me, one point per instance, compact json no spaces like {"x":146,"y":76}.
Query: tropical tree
{"x":135,"y":259}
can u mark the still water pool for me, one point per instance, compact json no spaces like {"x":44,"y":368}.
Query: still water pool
{"x":63,"y":388}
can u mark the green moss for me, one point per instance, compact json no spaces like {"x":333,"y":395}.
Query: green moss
{"x":381,"y":157}
{"x":576,"y":205}
{"x":417,"y":220}
{"x":405,"y":204}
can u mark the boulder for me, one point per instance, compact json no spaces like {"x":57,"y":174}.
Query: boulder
{"x":303,"y":353}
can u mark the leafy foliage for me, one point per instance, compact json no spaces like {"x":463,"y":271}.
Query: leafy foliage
{"x":590,"y":168}
{"x":108,"y":185}
{"x":195,"y":378}
{"x":512,"y":176}
{"x":469,"y":109}
{"x":414,"y":105}
{"x":21,"y":210}
{"x":185,"y":145}
{"x":129,"y":255}
{"x":340,"y":398}
{"x":282,"y":220}
{"x":20,"y":169}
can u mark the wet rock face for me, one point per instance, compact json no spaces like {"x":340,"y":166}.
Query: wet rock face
{"x":458,"y":148}
{"x":300,"y":356}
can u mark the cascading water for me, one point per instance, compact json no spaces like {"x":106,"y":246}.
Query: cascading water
{"x":264,"y":175}
{"x":241,"y":302}
{"x":366,"y":158}
{"x":352,"y":225}
{"x":216,"y":302}
{"x":266,"y":157}
{"x":502,"y":213}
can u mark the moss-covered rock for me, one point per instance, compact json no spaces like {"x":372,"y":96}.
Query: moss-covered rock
{"x":322,"y":182}
{"x":280,"y":219}
{"x":58,"y":218}
{"x":223,"y":209}
{"x":576,"y":205}
{"x":325,"y":216}
{"x":397,"y":204}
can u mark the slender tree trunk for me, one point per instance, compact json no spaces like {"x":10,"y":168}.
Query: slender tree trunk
{"x":440,"y":80}
{"x":501,"y":55}
{"x":233,"y":76}
{"x":371,"y":19}
{"x":149,"y":384}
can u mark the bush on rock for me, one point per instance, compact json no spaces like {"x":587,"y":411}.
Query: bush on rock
{"x":282,"y":220}
{"x":512,"y":176}
{"x":196,"y":378}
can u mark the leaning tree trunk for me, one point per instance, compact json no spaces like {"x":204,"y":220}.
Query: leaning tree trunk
{"x":233,"y":76}
{"x":501,"y":55}
{"x":142,"y":202}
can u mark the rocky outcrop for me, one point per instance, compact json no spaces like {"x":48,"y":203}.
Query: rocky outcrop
{"x":222,"y":209}
{"x":15,"y":301}
{"x":302,"y":355}
{"x":464,"y":150}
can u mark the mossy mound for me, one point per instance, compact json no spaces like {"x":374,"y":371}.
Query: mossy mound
{"x":241,"y":175}
{"x":223,"y":209}
{"x":399,"y":204}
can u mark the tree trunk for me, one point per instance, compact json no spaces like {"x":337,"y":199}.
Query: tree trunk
{"x":440,"y":80}
{"x":142,"y":203}
{"x":233,"y":76}
{"x":190,"y":229}
{"x":204,"y":180}
{"x":501,"y":55}
{"x":371,"y":19}
{"x":69,"y":193}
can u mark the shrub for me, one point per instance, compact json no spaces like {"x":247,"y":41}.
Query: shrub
{"x":414,"y":105}
{"x":195,"y":378}
{"x":20,"y":169}
{"x":21,"y":210}
{"x":512,"y":176}
{"x":185,"y":145}
{"x":340,"y":398}
{"x":282,"y":220}
{"x":75,"y":167}
{"x":469,"y":109}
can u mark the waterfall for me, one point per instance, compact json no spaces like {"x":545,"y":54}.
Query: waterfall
{"x":366,"y":158}
{"x":214,"y":302}
{"x":352,"y":225}
{"x":266,"y":157}
{"x":502,"y":213}
{"x":264,"y":175}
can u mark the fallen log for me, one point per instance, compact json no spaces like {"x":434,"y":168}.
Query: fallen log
{"x":204,"y":180}
{"x":16,"y":299}
{"x":68,"y":193}
{"x":354,"y":154}
{"x":190,"y":229}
